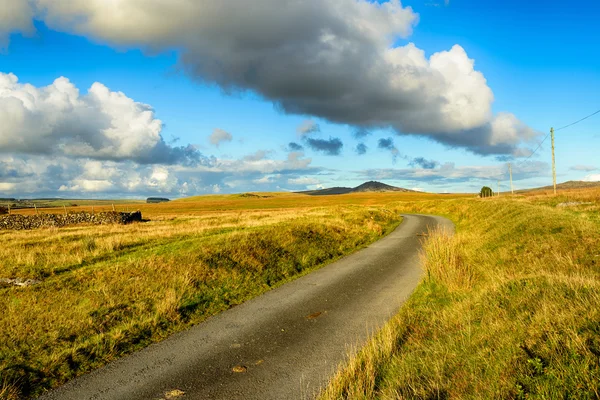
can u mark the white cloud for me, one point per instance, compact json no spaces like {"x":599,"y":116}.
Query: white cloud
{"x":15,"y":16}
{"x":101,"y":124}
{"x":449,"y":172}
{"x":333,"y":59}
{"x":307,"y":127}
{"x":219,"y":136}
{"x":42,"y":175}
{"x":7,"y":186}
{"x":585,"y":168}
{"x":592,"y":178}
{"x":304,"y":181}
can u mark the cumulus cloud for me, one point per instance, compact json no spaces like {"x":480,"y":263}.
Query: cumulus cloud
{"x":333,"y":59}
{"x":306,"y":181}
{"x":388,"y":144}
{"x":257,"y":155}
{"x":40,"y":175}
{"x":449,"y":172}
{"x":102,"y":124}
{"x":585,"y":168}
{"x":219,"y":136}
{"x":307,"y":127}
{"x":360,"y":133}
{"x":331,"y":146}
{"x":15,"y":16}
{"x":592,"y":178}
{"x":361,"y":149}
{"x":293,"y":146}
{"x":423,"y":163}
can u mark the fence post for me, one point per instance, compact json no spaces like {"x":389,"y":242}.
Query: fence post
{"x":512,"y":189}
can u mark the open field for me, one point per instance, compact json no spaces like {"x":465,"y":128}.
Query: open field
{"x":71,"y":203}
{"x":109,"y":290}
{"x":509,"y":308}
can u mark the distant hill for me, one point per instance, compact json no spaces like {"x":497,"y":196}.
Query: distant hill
{"x":371,"y":186}
{"x":566,"y":185}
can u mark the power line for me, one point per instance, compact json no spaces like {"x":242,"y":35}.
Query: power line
{"x":545,"y":138}
{"x":531,"y":155}
{"x":559,"y":129}
{"x":576,"y":122}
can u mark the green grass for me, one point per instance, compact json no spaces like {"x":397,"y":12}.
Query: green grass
{"x":109,"y":290}
{"x":509,"y":308}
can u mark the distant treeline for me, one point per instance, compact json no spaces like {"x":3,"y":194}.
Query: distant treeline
{"x":154,"y":200}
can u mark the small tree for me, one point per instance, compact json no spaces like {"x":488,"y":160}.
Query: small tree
{"x":486,"y":192}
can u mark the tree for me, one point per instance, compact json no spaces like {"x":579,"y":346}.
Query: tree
{"x":486,"y":192}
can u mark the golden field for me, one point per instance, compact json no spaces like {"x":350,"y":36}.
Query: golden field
{"x":109,"y":290}
{"x":508,"y":306}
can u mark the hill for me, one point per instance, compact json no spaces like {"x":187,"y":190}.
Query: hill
{"x":574,"y":185}
{"x":370,"y":186}
{"x":565,"y":186}
{"x":373,"y":186}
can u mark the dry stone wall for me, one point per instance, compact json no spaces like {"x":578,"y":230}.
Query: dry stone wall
{"x":25,"y":222}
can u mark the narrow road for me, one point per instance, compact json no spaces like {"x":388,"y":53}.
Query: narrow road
{"x":286,"y":343}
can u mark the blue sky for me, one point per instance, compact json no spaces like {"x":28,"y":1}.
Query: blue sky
{"x":539,"y":59}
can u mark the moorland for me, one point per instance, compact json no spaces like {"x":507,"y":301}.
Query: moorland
{"x":508,"y":306}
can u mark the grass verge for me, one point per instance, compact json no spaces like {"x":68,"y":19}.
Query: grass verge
{"x":509,"y":308}
{"x":109,"y":290}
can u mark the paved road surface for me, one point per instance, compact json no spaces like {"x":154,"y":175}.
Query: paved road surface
{"x":290,"y":340}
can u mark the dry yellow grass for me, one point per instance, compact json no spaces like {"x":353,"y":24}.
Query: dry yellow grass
{"x":109,"y":290}
{"x":509,"y":308}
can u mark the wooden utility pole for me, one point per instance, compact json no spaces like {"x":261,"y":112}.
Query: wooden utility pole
{"x":512,"y":189}
{"x":553,"y":161}
{"x":498,"y":188}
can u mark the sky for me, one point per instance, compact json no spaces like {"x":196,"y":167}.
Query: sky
{"x":130,"y":98}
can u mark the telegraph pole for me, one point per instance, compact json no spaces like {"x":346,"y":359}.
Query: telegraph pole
{"x":498,"y":188}
{"x":512,"y":189}
{"x":553,"y":161}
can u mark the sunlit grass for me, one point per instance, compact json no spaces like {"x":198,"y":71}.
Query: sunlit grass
{"x":509,"y":308}
{"x":109,"y":290}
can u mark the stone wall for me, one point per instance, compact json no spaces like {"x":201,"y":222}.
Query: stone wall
{"x":25,"y":222}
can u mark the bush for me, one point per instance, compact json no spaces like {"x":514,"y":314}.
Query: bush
{"x":3,"y":210}
{"x":486,"y":192}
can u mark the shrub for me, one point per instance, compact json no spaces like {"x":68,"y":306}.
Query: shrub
{"x":486,"y":192}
